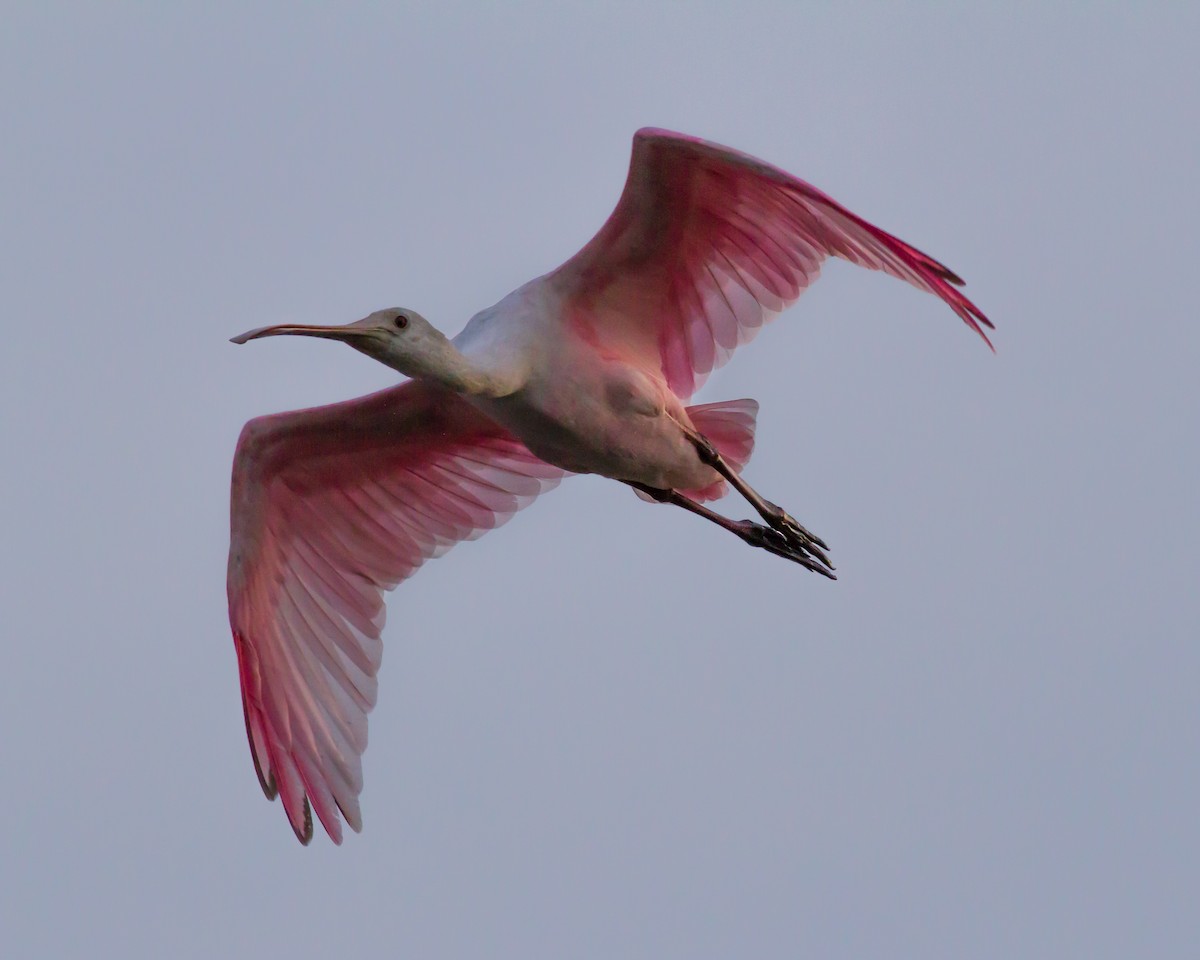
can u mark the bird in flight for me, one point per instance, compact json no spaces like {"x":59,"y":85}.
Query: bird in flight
{"x":587,"y":369}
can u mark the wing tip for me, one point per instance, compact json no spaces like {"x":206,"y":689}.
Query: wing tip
{"x":304,"y":830}
{"x":270,"y":788}
{"x":266,"y":779}
{"x":262,"y":766}
{"x":944,"y":282}
{"x":975,"y":318}
{"x":972,"y":315}
{"x":352,"y":816}
{"x":986,"y":338}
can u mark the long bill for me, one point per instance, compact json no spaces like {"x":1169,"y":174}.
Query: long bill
{"x":304,"y":330}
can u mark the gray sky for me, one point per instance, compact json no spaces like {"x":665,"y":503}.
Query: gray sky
{"x":609,"y":730}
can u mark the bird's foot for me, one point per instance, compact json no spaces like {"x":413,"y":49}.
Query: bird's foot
{"x":796,"y":535}
{"x":798,"y":547}
{"x":796,"y":540}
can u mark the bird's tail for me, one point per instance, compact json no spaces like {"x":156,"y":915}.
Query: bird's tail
{"x":729,"y":426}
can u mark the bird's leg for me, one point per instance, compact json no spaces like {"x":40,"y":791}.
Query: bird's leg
{"x":755,"y":534}
{"x":778,"y":518}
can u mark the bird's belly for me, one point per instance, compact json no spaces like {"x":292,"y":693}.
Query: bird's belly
{"x":603,"y":432}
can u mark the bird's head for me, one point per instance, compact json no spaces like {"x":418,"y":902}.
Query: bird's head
{"x":397,"y":336}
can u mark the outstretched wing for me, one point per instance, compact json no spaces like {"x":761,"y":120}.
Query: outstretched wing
{"x":331,"y":507}
{"x":707,"y":244}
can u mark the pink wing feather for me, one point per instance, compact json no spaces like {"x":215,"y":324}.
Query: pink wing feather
{"x":707,"y":244}
{"x":331,"y":507}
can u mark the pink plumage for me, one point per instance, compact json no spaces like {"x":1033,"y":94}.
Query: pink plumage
{"x":729,"y":426}
{"x":332,"y":507}
{"x":708,"y":244}
{"x":587,"y":369}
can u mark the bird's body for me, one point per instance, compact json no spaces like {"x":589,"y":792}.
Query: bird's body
{"x":588,"y":369}
{"x":608,"y":416}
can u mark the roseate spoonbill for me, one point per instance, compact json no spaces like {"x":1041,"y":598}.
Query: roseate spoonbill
{"x":587,"y":369}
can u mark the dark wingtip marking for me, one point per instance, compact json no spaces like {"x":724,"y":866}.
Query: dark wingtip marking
{"x":269,"y":788}
{"x":305,"y":835}
{"x":937,"y":266}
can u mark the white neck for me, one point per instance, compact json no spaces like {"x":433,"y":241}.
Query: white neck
{"x":442,"y":362}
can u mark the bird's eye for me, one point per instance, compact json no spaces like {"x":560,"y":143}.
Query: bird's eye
{"x":401,"y":321}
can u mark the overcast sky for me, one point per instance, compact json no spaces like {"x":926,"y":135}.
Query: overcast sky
{"x":610,"y":730}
